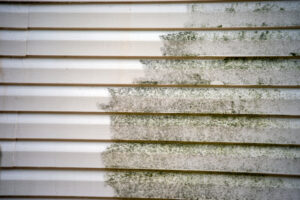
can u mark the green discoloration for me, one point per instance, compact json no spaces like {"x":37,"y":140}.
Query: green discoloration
{"x":230,"y":10}
{"x":238,"y":71}
{"x":203,"y":100}
{"x":191,"y":150}
{"x":221,"y":129}
{"x":247,"y":14}
{"x":202,"y":186}
{"x":265,"y":8}
{"x":205,"y":129}
{"x":186,"y":35}
{"x":196,"y":157}
{"x":250,"y":43}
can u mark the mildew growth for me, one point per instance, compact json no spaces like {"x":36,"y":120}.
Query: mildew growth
{"x":239,"y":71}
{"x":206,"y":129}
{"x":206,"y":150}
{"x":282,"y":160}
{"x":199,"y":157}
{"x":204,"y":100}
{"x":250,"y":43}
{"x":244,"y":14}
{"x":202,"y":186}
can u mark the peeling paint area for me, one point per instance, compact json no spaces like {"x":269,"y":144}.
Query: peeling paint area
{"x":202,"y":186}
{"x":204,"y":100}
{"x":229,"y":158}
{"x":206,"y":129}
{"x":244,"y":14}
{"x":233,"y":43}
{"x":238,"y":71}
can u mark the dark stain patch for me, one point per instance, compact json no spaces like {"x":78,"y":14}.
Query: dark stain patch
{"x":260,"y":43}
{"x":234,"y":158}
{"x":230,"y":10}
{"x":206,"y":129}
{"x":196,"y":157}
{"x":202,"y":186}
{"x":266,"y":7}
{"x":203,"y":100}
{"x":244,"y":14}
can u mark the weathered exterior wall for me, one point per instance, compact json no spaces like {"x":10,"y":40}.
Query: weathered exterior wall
{"x":163,"y":100}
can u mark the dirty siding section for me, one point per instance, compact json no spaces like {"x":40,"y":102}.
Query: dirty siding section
{"x":156,"y":101}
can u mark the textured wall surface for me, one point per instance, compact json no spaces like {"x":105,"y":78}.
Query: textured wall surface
{"x":150,"y":99}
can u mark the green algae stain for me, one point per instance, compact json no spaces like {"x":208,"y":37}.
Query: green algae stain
{"x":230,"y":10}
{"x":200,"y":186}
{"x":264,"y":8}
{"x":238,"y":71}
{"x":177,"y":128}
{"x":196,"y":43}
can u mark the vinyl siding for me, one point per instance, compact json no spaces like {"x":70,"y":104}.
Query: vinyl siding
{"x":150,"y":100}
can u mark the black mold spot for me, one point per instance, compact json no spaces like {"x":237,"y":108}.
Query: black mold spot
{"x":230,"y":10}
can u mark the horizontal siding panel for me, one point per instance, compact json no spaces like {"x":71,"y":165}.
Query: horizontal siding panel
{"x":13,"y":43}
{"x":54,"y":183}
{"x":151,"y":43}
{"x":254,"y":159}
{"x":73,"y":71}
{"x":151,"y":100}
{"x":250,"y":14}
{"x":55,"y":126}
{"x":150,"y":128}
{"x":145,"y":184}
{"x":53,"y":98}
{"x":13,"y":16}
{"x":152,"y":71}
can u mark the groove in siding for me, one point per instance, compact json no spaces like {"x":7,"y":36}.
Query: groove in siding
{"x":210,"y":129}
{"x":240,"y":72}
{"x":143,"y":43}
{"x":250,"y":14}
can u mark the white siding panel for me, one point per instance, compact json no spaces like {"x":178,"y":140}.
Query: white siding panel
{"x":188,"y":15}
{"x":91,"y":184}
{"x":13,"y":43}
{"x":54,"y":183}
{"x":48,"y":98}
{"x":277,"y":160}
{"x":151,"y":100}
{"x":149,"y":128}
{"x":55,"y":126}
{"x":82,"y":71}
{"x":151,"y":71}
{"x":150,"y":43}
{"x":164,"y":15}
{"x":53,"y":154}
{"x":13,"y":16}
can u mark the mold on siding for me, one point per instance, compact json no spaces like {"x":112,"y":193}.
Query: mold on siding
{"x":243,"y":14}
{"x":234,"y":71}
{"x":250,"y":43}
{"x":221,"y":129}
{"x":204,"y":100}
{"x":202,"y":186}
{"x":243,"y":158}
{"x":221,"y":158}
